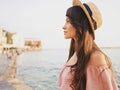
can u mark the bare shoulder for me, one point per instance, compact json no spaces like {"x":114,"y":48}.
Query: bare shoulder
{"x":97,"y":58}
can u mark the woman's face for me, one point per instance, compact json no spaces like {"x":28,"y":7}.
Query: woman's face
{"x":69,"y":30}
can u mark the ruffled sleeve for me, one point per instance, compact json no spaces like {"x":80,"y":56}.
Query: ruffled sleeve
{"x":64,"y":79}
{"x":100,"y":78}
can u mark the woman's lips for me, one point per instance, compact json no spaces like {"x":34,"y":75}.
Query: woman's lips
{"x":65,"y":32}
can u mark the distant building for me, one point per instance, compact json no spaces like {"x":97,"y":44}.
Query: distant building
{"x":14,"y":40}
{"x":33,"y":43}
{"x":3,"y":38}
{"x":9,"y":36}
{"x":1,"y":34}
{"x":18,"y":40}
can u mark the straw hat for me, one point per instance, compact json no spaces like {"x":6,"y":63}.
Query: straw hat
{"x":95,"y":13}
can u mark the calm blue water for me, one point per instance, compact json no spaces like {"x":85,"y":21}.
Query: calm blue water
{"x":40,"y":69}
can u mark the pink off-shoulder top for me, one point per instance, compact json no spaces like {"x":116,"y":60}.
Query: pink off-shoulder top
{"x":98,"y":78}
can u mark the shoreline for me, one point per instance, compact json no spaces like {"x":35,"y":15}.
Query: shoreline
{"x":110,"y":47}
{"x":8,"y":73}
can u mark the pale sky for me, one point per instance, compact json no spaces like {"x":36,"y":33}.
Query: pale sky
{"x":44,"y":19}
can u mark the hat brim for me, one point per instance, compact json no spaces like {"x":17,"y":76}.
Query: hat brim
{"x":78,"y":3}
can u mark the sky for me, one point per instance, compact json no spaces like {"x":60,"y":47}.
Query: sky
{"x":44,"y":19}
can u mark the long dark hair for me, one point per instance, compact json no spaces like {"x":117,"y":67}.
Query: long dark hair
{"x":85,"y":46}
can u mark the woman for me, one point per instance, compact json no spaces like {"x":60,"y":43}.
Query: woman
{"x":87,"y":67}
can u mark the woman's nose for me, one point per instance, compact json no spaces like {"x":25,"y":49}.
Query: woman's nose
{"x":64,"y":27}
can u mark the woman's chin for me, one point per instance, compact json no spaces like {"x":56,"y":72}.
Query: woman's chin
{"x":67,"y":37}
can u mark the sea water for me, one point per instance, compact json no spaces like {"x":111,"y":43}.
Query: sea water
{"x":40,"y":69}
